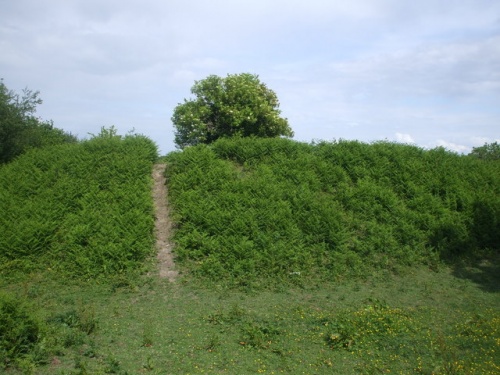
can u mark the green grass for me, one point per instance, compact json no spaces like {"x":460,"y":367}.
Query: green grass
{"x":425,"y":322}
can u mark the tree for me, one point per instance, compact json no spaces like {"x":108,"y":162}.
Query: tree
{"x":238,"y":105}
{"x":20,"y":130}
{"x":489,"y":151}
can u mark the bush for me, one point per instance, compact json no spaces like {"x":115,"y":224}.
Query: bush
{"x":21,"y":331}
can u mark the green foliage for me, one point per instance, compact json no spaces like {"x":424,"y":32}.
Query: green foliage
{"x":252,"y":210}
{"x":81,"y":210}
{"x":27,"y":340}
{"x":20,"y":130}
{"x":358,"y":329}
{"x":238,"y":105}
{"x":82,"y":318}
{"x":21,"y":331}
{"x":489,"y":151}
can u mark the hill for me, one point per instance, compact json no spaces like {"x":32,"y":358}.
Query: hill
{"x":254,"y":211}
{"x":78,"y":296}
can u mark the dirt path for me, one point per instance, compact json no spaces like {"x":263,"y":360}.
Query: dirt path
{"x":162,"y":225}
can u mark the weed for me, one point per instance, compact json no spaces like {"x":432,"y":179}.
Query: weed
{"x":258,"y":335}
{"x":72,"y":338}
{"x":21,"y":331}
{"x":112,"y":366}
{"x":26,"y":365}
{"x":148,"y":366}
{"x":213,"y":343}
{"x":147,"y":335}
{"x":80,"y":366}
{"x":355,"y":220}
{"x":373,"y":330}
{"x":83,"y":318}
{"x":90,"y":350}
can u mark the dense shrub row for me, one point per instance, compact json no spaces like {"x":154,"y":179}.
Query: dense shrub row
{"x":251,"y":208}
{"x":83,"y":209}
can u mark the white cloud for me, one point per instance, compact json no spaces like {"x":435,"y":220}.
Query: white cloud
{"x":456,"y":70}
{"x":453,"y":146}
{"x":404,"y":138}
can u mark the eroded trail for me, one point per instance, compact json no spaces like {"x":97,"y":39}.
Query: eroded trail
{"x":163,"y":225}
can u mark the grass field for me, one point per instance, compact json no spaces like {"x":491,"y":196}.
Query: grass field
{"x":427,"y":322}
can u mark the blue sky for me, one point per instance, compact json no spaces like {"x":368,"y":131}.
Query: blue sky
{"x":425,"y":72}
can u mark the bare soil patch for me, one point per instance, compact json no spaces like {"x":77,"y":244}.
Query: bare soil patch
{"x":163,"y":225}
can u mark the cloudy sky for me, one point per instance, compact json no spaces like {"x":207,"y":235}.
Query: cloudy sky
{"x":424,"y":72}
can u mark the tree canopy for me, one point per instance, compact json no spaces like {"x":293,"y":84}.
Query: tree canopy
{"x":489,"y":151}
{"x":238,"y":105}
{"x":20,"y":130}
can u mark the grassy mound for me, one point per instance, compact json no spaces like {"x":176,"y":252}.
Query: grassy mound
{"x":253,"y":209}
{"x":82,"y":210}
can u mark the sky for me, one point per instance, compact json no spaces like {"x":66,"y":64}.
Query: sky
{"x":424,"y":72}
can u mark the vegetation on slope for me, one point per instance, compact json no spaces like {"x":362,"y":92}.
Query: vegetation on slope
{"x":81,"y":210}
{"x":249,"y":209}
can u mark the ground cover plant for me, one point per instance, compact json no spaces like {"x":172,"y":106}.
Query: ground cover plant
{"x":249,"y":211}
{"x":422,"y":323}
{"x":82,"y":210}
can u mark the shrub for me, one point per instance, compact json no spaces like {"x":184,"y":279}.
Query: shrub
{"x":21,"y":331}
